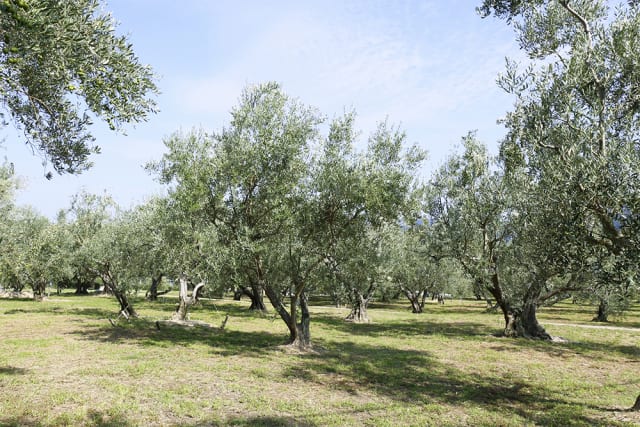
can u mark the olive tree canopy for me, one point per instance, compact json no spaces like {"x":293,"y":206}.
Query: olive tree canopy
{"x":61,"y":63}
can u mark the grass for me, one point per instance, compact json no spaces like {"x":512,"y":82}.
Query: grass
{"x":62,"y":363}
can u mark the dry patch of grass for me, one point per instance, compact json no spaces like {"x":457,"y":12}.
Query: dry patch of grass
{"x":62,"y":363}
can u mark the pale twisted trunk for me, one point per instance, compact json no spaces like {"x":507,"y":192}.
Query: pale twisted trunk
{"x":182,"y":311}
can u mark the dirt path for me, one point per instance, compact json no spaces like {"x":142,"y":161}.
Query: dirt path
{"x":612,"y":328}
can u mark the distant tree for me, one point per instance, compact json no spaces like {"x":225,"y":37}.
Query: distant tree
{"x":103,"y":245}
{"x":31,"y":254}
{"x":152,"y":253}
{"x":417,"y":266}
{"x":361,"y":196}
{"x":61,"y":63}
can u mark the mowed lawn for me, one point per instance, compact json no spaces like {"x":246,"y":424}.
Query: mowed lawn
{"x":62,"y":363}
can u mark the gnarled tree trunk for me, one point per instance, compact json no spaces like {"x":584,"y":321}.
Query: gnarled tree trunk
{"x":39,"y":290}
{"x":152,"y":293}
{"x":359,"y":305}
{"x":182,"y":311}
{"x":417,"y":299}
{"x":256,"y":295}
{"x":524,"y":323}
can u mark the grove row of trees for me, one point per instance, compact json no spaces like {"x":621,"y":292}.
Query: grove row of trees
{"x":283,"y":203}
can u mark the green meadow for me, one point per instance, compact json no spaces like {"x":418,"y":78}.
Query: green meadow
{"x":63,"y":363}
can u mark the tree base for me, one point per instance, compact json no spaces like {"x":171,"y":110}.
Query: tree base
{"x":636,"y":406}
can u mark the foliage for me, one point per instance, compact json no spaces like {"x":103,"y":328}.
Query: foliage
{"x":61,"y":63}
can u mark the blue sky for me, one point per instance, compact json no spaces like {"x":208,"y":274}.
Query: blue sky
{"x":429,"y":66}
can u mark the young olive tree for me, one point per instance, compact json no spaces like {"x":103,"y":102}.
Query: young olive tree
{"x":33,"y":252}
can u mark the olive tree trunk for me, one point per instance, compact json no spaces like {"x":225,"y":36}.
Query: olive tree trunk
{"x":185,"y":302}
{"x":152,"y":293}
{"x":255,"y":293}
{"x":524,"y":323}
{"x":359,"y":306}
{"x":39,"y":289}
{"x":603,"y":311}
{"x":111,"y":286}
{"x":299,"y":333}
{"x":417,"y":299}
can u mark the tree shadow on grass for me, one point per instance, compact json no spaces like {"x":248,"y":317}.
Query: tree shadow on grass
{"x":96,"y":313}
{"x":12,"y":370}
{"x":93,"y":418}
{"x":418,"y":326}
{"x":416,"y":377}
{"x":257,"y":421}
{"x":594,"y":350}
{"x":145,"y":333}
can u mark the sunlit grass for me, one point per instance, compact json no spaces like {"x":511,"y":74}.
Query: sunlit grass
{"x":62,"y":363}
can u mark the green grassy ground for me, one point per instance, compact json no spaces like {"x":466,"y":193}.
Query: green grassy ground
{"x":62,"y":363}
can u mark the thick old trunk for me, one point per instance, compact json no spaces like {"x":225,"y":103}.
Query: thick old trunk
{"x":359,"y":305}
{"x":39,"y":290}
{"x":524,"y":323}
{"x":417,"y":300}
{"x":152,"y":293}
{"x":603,"y":312}
{"x":182,"y":310}
{"x":256,"y":295}
{"x":82,"y":288}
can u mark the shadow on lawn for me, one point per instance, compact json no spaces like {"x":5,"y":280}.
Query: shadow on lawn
{"x":592,"y":349}
{"x":257,"y":421}
{"x":93,"y":418}
{"x":417,"y":326}
{"x":416,"y":377}
{"x":145,"y":333}
{"x":12,"y":370}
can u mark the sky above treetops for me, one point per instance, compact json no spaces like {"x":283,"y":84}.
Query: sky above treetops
{"x":428,"y":66}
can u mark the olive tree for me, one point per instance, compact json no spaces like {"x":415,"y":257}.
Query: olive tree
{"x":280,"y":198}
{"x":574,"y":129}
